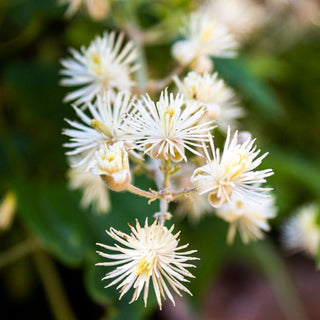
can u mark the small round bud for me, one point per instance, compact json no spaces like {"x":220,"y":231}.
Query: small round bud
{"x":112,"y":164}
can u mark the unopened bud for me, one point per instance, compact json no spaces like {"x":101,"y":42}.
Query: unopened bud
{"x":112,"y":164}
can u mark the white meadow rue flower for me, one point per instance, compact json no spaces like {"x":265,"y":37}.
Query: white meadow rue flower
{"x":166,"y":128}
{"x":232,"y":172}
{"x":96,"y":9}
{"x":149,"y":253}
{"x":300,"y":232}
{"x":249,"y":217}
{"x":219,"y":100}
{"x":204,"y":38}
{"x":95,"y":191}
{"x":105,"y":125}
{"x":111,"y":163}
{"x":240,"y":18}
{"x":104,"y":65}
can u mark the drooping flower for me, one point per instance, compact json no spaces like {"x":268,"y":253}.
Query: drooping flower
{"x":301,"y":232}
{"x":232,"y":172}
{"x":219,"y":100}
{"x":105,"y":65}
{"x":166,"y":128}
{"x":105,"y":125}
{"x":111,"y":163}
{"x":148,"y":253}
{"x":204,"y":38}
{"x":249,"y":217}
{"x":94,"y":190}
{"x":240,"y":18}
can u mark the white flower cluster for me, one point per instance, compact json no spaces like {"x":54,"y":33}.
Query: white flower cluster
{"x":166,"y":135}
{"x":301,"y":232}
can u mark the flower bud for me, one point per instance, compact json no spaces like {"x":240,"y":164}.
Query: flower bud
{"x":112,"y":164}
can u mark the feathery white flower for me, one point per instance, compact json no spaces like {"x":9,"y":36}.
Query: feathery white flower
{"x":152,"y":252}
{"x":249,"y":217}
{"x":104,"y":65}
{"x":241,"y":18}
{"x":166,"y":128}
{"x":220,"y":100}
{"x":232,"y":172}
{"x":96,"y":9}
{"x":300,"y":232}
{"x":204,"y":38}
{"x":106,"y":124}
{"x":111,"y":163}
{"x":94,"y":190}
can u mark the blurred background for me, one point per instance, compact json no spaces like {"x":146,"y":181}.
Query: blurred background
{"x":47,"y":241}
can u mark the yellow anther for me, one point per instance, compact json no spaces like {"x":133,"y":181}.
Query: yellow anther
{"x":143,"y":266}
{"x":208,"y":32}
{"x":170,"y":111}
{"x":100,"y":127}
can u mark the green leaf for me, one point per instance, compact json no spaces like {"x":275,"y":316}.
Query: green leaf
{"x":318,"y":216}
{"x":236,"y":74}
{"x":50,"y":211}
{"x":293,"y":166}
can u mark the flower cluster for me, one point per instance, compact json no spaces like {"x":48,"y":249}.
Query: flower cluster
{"x":167,"y":134}
{"x":301,"y":232}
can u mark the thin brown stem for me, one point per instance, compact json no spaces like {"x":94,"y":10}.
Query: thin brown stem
{"x":158,"y":85}
{"x":142,"y":193}
{"x":17,"y":252}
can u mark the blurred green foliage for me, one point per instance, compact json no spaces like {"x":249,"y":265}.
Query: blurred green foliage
{"x":280,"y":91}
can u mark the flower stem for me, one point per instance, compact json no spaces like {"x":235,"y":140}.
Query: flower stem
{"x":167,"y":173}
{"x":140,"y":192}
{"x":158,"y":85}
{"x":53,"y":287}
{"x":19,"y":251}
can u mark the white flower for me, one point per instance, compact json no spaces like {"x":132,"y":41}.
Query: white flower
{"x":166,"y":128}
{"x":112,"y":164}
{"x":152,"y":252}
{"x":301,"y":232}
{"x":96,"y":9}
{"x":232,"y":172}
{"x":105,"y":125}
{"x":94,"y":190}
{"x":249,"y":217}
{"x":220,"y":100}
{"x":101,"y":66}
{"x":204,"y":38}
{"x":241,"y":18}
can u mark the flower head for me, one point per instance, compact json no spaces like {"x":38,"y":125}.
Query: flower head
{"x":166,"y":128}
{"x":232,"y":172}
{"x":148,"y":253}
{"x":219,"y":100}
{"x":111,"y":163}
{"x":105,"y":125}
{"x":240,"y":18}
{"x":301,"y":232}
{"x":204,"y":38}
{"x":101,"y":66}
{"x":249,"y":217}
{"x":94,"y":190}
